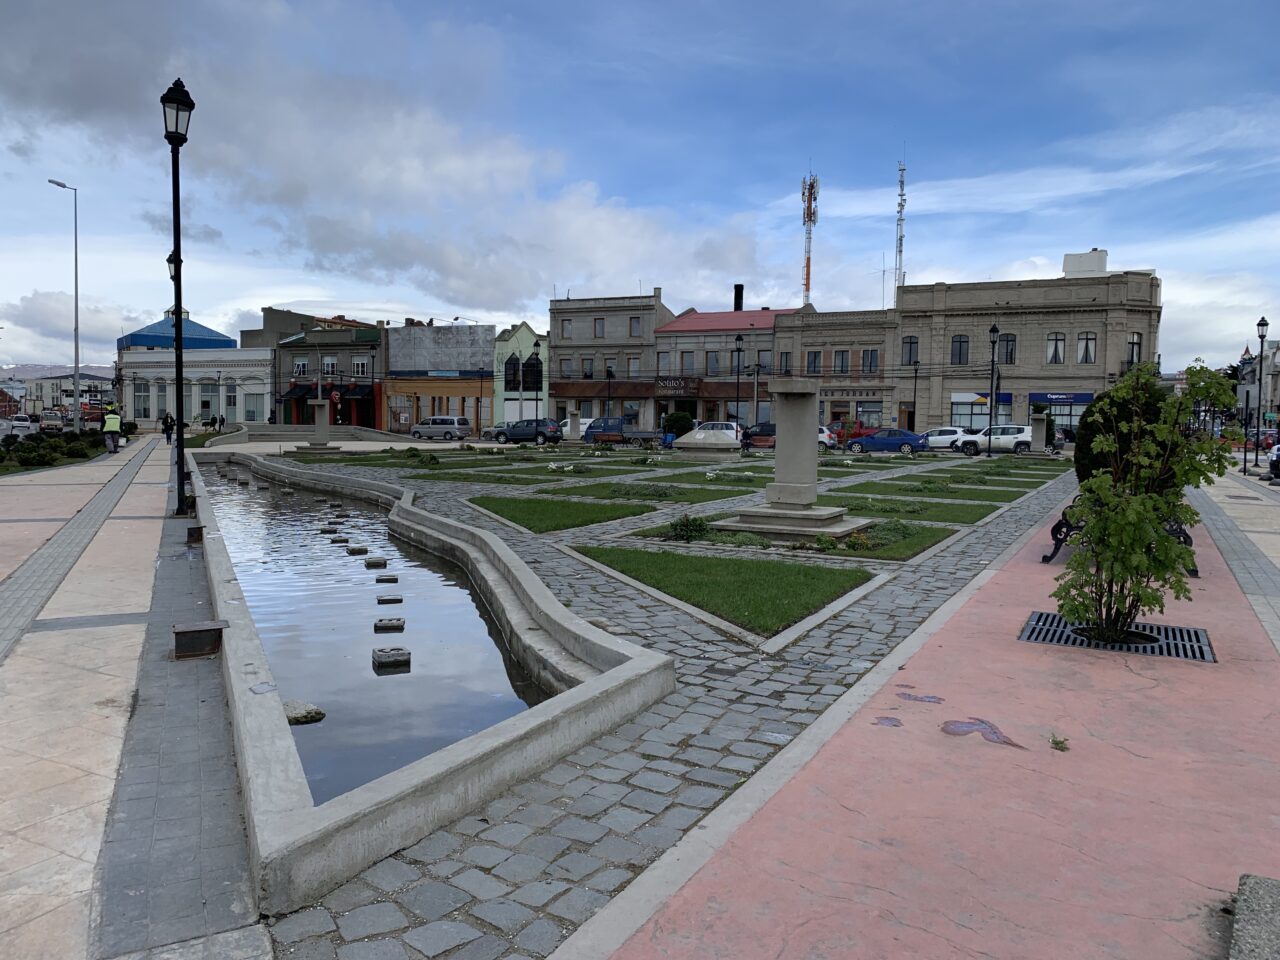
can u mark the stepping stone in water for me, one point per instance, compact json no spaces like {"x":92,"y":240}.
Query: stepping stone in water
{"x":333,"y":503}
{"x":390,"y":598}
{"x":328,"y":529}
{"x":388,"y":625}
{"x":339,"y":540}
{"x":386,"y":578}
{"x":374,"y":563}
{"x":357,"y":551}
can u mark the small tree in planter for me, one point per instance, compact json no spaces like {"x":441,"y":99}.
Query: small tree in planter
{"x":1137,"y":451}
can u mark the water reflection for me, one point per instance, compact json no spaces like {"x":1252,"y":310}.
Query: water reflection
{"x":314,"y":607}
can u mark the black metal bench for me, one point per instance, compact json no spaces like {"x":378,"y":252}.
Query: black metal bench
{"x":1064,"y":528}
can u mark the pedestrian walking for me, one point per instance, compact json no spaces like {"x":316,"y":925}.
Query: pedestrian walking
{"x":167,"y":425}
{"x":222,"y":422}
{"x":111,"y":430}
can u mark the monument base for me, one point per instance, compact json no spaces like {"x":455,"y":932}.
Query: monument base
{"x":781,"y":524}
{"x":711,"y":446}
{"x":311,"y":448}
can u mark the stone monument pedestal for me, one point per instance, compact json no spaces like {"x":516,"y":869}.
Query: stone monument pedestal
{"x":790,"y":511}
{"x":320,"y":443}
{"x":709,"y":445}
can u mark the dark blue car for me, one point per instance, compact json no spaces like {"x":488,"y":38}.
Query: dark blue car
{"x":894,"y":440}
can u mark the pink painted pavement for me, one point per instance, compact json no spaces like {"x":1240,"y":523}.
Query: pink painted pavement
{"x":907,"y":842}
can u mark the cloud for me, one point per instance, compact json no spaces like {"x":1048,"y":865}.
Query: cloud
{"x":162,"y":223}
{"x":40,"y":328}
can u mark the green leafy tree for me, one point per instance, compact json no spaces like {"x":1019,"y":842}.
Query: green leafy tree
{"x":1143,"y":451}
{"x":679,"y":423}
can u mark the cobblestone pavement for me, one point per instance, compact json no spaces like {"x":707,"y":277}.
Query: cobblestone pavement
{"x":517,"y":875}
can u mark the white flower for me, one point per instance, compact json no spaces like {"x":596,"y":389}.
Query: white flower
{"x":711,"y":474}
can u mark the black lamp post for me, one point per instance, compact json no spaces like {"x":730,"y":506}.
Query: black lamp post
{"x":537,"y":386}
{"x":608,"y":387}
{"x":915,"y":390}
{"x":177,"y":104}
{"x":737,"y":385}
{"x":991,"y":397}
{"x":1262,"y":346}
{"x":373,"y":400}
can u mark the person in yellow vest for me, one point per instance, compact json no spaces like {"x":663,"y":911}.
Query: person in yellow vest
{"x":111,"y":430}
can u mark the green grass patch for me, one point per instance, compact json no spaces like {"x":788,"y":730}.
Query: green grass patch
{"x":908,"y":509}
{"x":663,"y":493}
{"x":570,"y":470}
{"x":480,"y":478}
{"x":543,"y":516}
{"x":728,"y":478}
{"x":763,"y":596}
{"x":199,"y":440}
{"x":940,"y":491}
{"x":971,"y":477}
{"x":890,"y":540}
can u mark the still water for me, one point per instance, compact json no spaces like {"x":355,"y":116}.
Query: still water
{"x":314,"y":607}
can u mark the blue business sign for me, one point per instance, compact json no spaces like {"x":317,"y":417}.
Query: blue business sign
{"x":1060,"y":397}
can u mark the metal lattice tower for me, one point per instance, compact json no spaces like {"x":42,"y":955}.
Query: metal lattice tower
{"x":809,"y":199}
{"x":899,"y":278}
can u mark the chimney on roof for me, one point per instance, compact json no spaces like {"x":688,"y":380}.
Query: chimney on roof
{"x":737,"y":297}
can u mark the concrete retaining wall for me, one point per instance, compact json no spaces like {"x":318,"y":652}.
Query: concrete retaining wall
{"x":300,"y":852}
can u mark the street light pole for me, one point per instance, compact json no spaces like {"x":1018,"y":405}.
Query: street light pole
{"x":177,"y":105}
{"x":915,"y":388}
{"x":537,"y":385}
{"x":75,"y":221}
{"x":1262,"y":346}
{"x":991,"y":397}
{"x":737,"y":385}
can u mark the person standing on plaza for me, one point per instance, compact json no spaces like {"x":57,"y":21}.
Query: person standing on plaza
{"x":167,"y":425}
{"x":111,"y":429}
{"x":222,"y":422}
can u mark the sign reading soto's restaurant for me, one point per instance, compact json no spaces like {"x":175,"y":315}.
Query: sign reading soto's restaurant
{"x":676,"y":386}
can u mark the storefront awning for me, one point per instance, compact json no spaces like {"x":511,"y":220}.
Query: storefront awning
{"x":299,"y":393}
{"x":357,"y":392}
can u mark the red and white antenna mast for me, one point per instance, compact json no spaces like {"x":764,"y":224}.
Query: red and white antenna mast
{"x":809,"y":198}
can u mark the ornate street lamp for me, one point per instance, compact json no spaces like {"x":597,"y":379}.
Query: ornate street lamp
{"x":1262,"y":346}
{"x":177,"y":105}
{"x":537,"y":385}
{"x":991,"y":397}
{"x":915,"y":388}
{"x":737,"y":384}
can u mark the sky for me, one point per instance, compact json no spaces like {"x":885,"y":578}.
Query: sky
{"x":442,"y":159}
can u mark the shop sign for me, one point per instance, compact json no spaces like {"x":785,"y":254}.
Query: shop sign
{"x":676,"y":386}
{"x":1060,"y":397}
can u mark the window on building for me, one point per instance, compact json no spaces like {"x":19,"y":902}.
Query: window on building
{"x":959,"y":350}
{"x":1055,"y":350}
{"x":686,"y":363}
{"x":511,"y":372}
{"x":976,"y":416}
{"x":1134,"y":351}
{"x":230,"y":405}
{"x":841,"y":362}
{"x":813,"y":362}
{"x":162,"y":400}
{"x":736,"y":362}
{"x":566,"y":368}
{"x":566,"y":329}
{"x":910,"y":350}
{"x":664,"y":364}
{"x":871,"y":412}
{"x":633,"y":367}
{"x":330,"y":365}
{"x":784,"y":361}
{"x":532,"y":373}
{"x":1087,"y":349}
{"x":597,"y":326}
{"x":208,"y":399}
{"x":870,"y":361}
{"x":299,"y":366}
{"x":588,"y":368}
{"x":584,"y":410}
{"x":611,"y":366}
{"x":636,"y":330}
{"x":764,"y":360}
{"x":359,"y":366}
{"x":142,"y":401}
{"x":255,"y":405}
{"x":1007,"y":349}
{"x":713,"y":363}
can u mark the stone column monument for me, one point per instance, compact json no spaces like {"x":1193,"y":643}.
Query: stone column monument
{"x":320,"y":442}
{"x":790,"y":511}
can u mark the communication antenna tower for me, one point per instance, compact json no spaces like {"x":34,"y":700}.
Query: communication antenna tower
{"x":900,"y":277}
{"x":809,"y":199}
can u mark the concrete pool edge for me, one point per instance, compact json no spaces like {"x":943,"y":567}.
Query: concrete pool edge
{"x":299,"y":851}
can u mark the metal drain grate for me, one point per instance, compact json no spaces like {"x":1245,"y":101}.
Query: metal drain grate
{"x":1181,"y":643}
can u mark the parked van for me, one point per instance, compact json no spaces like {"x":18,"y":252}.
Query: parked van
{"x":442,"y":428}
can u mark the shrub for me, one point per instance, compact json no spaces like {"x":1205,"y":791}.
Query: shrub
{"x":1141,"y":456}
{"x":128,"y":428}
{"x":36,"y":457}
{"x":36,"y":438}
{"x":824,"y":542}
{"x":77,"y":450}
{"x":9,"y":441}
{"x":687,"y":529}
{"x":643,"y":491}
{"x":678,"y":423}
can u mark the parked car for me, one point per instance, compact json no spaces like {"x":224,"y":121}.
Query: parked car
{"x":845,"y":430}
{"x":1005,"y":437}
{"x":898,"y":441}
{"x":731,"y":430}
{"x":524,"y":431}
{"x":1273,"y":460}
{"x":827,"y":440}
{"x":51,"y":422}
{"x":763,"y":436}
{"x":442,"y":428}
{"x":941,"y":438}
{"x":617,"y":430}
{"x":488,"y":432}
{"x":583,"y":427}
{"x":21,"y":425}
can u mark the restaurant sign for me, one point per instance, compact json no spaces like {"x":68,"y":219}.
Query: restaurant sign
{"x":676,"y":387}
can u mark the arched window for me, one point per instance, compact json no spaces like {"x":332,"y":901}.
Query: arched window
{"x":533,"y":373}
{"x":959,"y":350}
{"x":511,"y":373}
{"x":1055,"y":350}
{"x":1007,"y":349}
{"x":910,"y":350}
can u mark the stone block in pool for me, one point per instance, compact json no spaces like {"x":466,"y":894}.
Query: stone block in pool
{"x":357,"y":551}
{"x":342,"y":516}
{"x":388,"y":625}
{"x":339,"y":540}
{"x":391,"y":656}
{"x":373,"y":563}
{"x":390,"y":598}
{"x":332,"y":503}
{"x":387,"y":578}
{"x":328,"y":529}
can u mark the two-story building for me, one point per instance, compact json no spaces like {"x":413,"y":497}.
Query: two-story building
{"x":440,"y":369}
{"x":521,"y":386}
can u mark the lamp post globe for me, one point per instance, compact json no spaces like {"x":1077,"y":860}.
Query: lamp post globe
{"x":992,"y":400}
{"x":177,"y":106}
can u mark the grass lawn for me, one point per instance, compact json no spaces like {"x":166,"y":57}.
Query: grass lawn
{"x":891,"y":540}
{"x":972,"y":477}
{"x":939,"y":491}
{"x":908,"y":509}
{"x":480,"y":478}
{"x":663,"y":493}
{"x":1047,"y":468}
{"x":542,"y":516}
{"x":729,"y":478}
{"x":764,"y":596}
{"x":581,"y":468}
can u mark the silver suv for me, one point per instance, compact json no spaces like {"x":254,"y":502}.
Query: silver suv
{"x":1005,"y":437}
{"x":442,"y":428}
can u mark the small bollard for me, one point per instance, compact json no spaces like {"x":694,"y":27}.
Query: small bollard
{"x":388,"y":625}
{"x":357,"y":551}
{"x":390,"y":598}
{"x":201,"y":639}
{"x":386,"y":578}
{"x":375,"y":563}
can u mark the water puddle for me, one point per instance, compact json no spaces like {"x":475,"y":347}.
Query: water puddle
{"x":315,"y":605}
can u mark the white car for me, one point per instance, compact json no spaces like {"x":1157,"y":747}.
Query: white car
{"x":941,"y":438}
{"x":734,"y":430}
{"x":827,"y":440}
{"x":1005,"y":437}
{"x":21,"y":425}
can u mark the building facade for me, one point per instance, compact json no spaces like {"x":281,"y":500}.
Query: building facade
{"x":344,"y":364}
{"x":58,"y":393}
{"x":227,"y":382}
{"x":521,"y":386}
{"x":444,"y":370}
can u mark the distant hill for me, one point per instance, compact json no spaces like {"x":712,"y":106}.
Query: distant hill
{"x":33,"y":371}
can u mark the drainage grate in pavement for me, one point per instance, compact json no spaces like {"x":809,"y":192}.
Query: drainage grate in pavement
{"x":1181,"y":643}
